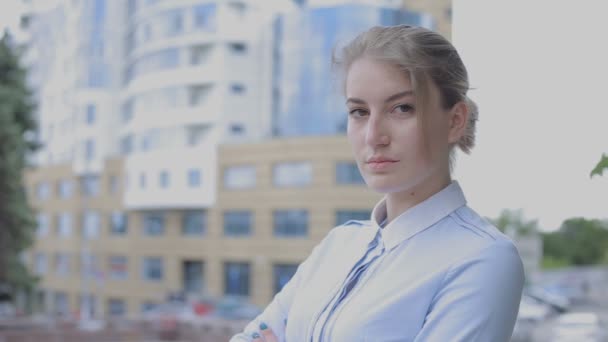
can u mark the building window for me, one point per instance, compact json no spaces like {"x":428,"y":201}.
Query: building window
{"x":65,"y":188}
{"x":89,"y":185}
{"x":91,"y":112}
{"x":62,"y":264}
{"x":238,"y":48}
{"x":89,"y":149}
{"x":163,"y":179}
{"x":237,"y":88}
{"x":91,"y":224}
{"x":192,"y":276}
{"x":88,"y":265}
{"x":117,"y":267}
{"x":239,"y":177}
{"x":41,"y":265}
{"x":118,"y":223}
{"x":116,"y":307}
{"x":64,"y":225}
{"x":43,"y":190}
{"x":236,"y":278}
{"x":290,"y":223}
{"x":174,"y":22}
{"x":127,"y":109}
{"x":154,"y":224}
{"x":126,"y":144}
{"x":194,"y":178}
{"x":194,"y":223}
{"x":114,"y":184}
{"x":198,"y":94}
{"x":237,"y":223}
{"x":152,"y":269}
{"x":343,"y":216}
{"x":237,"y":129}
{"x":148,"y":306}
{"x":348,"y":173}
{"x":43,"y":225}
{"x":282,"y":274}
{"x":60,"y":304}
{"x":142,"y":180}
{"x":292,"y":174}
{"x":205,"y":17}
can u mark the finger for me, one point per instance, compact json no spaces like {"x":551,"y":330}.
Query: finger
{"x":257,"y":337}
{"x":267,"y":333}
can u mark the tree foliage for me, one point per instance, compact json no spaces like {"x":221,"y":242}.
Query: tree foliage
{"x":17,"y":126}
{"x":514,"y":221}
{"x":579,"y":241}
{"x":600,"y":167}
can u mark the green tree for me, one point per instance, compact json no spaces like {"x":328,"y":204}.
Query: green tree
{"x":17,"y":127}
{"x":514,"y":220}
{"x":578,"y":241}
{"x":600,"y":167}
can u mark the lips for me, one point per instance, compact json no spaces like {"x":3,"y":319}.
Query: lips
{"x":380,"y":163}
{"x":381,"y":160}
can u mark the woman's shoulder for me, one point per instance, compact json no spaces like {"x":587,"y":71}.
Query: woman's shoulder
{"x":466,"y":235}
{"x":469,"y":223}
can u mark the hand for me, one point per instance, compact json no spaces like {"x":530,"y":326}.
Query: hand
{"x":266,"y":335}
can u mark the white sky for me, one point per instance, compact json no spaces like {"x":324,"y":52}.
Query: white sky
{"x":540,"y":73}
{"x":541,"y":78}
{"x":9,"y":14}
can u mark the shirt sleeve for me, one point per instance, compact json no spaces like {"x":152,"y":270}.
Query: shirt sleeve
{"x":478,"y":299}
{"x":275,"y":314}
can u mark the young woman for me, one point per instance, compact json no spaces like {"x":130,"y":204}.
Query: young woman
{"x":426,"y":267}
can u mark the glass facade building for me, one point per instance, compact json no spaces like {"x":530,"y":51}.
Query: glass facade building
{"x":307,"y":96}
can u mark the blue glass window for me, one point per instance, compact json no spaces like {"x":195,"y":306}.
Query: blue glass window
{"x":282,"y":274}
{"x":348,"y":173}
{"x":290,"y":223}
{"x":343,"y":216}
{"x":236,"y":278}
{"x":237,"y":223}
{"x":194,"y":178}
{"x":154,"y":224}
{"x":194,"y":223}
{"x":205,"y":17}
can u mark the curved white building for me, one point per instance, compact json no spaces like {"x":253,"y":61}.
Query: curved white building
{"x":197,"y":73}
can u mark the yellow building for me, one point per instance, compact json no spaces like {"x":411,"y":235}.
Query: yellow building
{"x":275,"y":201}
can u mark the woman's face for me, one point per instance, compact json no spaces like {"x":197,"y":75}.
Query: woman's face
{"x":392,"y":151}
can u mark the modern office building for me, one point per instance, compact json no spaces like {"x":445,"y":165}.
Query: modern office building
{"x":308,"y":99}
{"x":439,"y":10}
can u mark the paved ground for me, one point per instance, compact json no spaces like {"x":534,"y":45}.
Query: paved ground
{"x":542,"y":333}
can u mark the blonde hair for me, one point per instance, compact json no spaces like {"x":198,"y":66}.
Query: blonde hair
{"x":426,"y":57}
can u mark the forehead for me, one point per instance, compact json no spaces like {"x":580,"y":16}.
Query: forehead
{"x":373,"y":80}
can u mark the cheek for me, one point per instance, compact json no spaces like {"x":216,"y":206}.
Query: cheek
{"x":353,"y":133}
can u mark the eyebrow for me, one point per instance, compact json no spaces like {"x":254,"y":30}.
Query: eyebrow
{"x":388,"y":99}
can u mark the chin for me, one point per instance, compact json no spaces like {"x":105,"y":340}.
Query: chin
{"x":387,"y":185}
{"x":384,"y":187}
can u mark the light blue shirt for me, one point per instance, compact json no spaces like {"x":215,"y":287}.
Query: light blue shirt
{"x":438,"y":272}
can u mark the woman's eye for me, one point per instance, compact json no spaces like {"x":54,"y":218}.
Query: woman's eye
{"x":358,"y":112}
{"x":404,"y":108}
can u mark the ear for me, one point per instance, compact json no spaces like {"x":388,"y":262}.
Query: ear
{"x":458,"y":118}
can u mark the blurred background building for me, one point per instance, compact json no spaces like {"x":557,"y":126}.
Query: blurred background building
{"x":181,"y":144}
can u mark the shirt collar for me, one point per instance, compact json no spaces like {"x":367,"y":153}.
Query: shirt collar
{"x":418,"y":217}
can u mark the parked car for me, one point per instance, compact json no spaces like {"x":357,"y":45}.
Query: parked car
{"x":532,"y":310}
{"x":558,"y":302}
{"x":578,"y":327}
{"x":236,"y":308}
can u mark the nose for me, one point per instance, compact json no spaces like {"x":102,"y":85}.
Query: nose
{"x":377,"y":130}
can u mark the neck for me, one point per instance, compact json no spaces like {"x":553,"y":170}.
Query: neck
{"x":399,"y":202}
